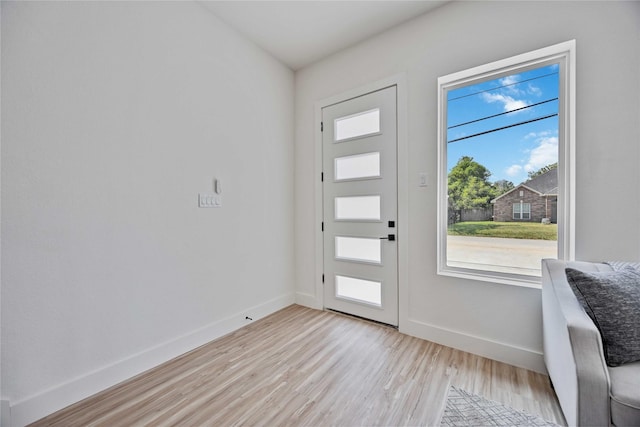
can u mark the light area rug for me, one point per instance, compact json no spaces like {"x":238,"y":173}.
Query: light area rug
{"x":468,"y":409}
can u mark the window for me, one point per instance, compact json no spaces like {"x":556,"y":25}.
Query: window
{"x":506,"y":166}
{"x":521,"y":210}
{"x":358,"y":166}
{"x":357,"y":125}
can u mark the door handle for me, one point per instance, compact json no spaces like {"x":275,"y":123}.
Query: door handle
{"x":390,"y":237}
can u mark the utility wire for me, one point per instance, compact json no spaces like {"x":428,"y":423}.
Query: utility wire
{"x":502,"y":114}
{"x":500,"y":87}
{"x":502,"y":128}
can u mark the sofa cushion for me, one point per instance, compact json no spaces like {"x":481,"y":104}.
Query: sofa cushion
{"x":612,"y":300}
{"x":625,"y":394}
{"x":619,"y":265}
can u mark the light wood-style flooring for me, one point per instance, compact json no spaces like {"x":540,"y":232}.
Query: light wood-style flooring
{"x":304,"y":367}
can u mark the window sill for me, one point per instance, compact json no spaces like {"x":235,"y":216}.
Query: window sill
{"x":511,"y":279}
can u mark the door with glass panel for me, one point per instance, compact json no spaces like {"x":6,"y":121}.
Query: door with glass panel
{"x":359,"y":143}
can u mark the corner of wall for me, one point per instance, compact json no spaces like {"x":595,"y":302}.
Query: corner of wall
{"x":308,"y":300}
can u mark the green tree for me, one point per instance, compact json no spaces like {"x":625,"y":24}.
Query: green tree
{"x":543,"y":170}
{"x":469,"y":186}
{"x":502,"y":186}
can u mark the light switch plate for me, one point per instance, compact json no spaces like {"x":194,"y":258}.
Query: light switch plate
{"x":422,"y":179}
{"x":209,"y":200}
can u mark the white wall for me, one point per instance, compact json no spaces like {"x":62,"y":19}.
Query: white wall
{"x":499,"y":321}
{"x":115,"y":116}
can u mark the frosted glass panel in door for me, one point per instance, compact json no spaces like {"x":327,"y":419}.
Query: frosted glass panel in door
{"x":359,"y":289}
{"x":359,"y":166}
{"x":358,"y":249}
{"x":357,"y":125}
{"x":357,"y":208}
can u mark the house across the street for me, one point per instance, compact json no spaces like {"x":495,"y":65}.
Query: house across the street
{"x":532,"y":200}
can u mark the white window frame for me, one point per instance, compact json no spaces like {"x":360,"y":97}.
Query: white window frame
{"x":521,"y":210}
{"x":565,"y":55}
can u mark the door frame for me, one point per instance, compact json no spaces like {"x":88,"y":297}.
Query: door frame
{"x":400,"y":81}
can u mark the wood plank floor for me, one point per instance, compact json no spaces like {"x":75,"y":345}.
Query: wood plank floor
{"x":304,"y":367}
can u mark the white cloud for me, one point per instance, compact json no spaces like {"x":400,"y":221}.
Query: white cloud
{"x":544,"y":154}
{"x":509,"y":80}
{"x":534,"y":90}
{"x":513,"y":170}
{"x":509,"y":104}
{"x":540,"y":135}
{"x":510,"y":84}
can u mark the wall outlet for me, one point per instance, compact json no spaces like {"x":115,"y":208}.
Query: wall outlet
{"x":209,"y":200}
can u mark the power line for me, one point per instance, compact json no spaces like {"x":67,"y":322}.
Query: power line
{"x":503,"y":127}
{"x":502,"y":114}
{"x":500,"y":87}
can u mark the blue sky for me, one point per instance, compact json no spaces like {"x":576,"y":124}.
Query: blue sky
{"x":511,"y":153}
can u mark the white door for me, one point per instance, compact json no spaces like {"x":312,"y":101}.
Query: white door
{"x":359,"y":143}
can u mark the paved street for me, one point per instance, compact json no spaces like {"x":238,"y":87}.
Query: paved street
{"x":519,"y":256}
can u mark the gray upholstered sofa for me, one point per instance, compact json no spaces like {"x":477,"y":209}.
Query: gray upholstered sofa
{"x":589,"y":391}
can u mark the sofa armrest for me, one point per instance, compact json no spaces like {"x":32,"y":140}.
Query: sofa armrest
{"x":573,"y":350}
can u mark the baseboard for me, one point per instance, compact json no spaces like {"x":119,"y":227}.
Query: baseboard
{"x":33,"y":408}
{"x":512,"y":355}
{"x":308,"y":300}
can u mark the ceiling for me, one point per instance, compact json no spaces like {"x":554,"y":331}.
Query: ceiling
{"x":301,"y":32}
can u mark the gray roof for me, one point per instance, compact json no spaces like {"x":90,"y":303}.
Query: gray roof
{"x":546,"y":184}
